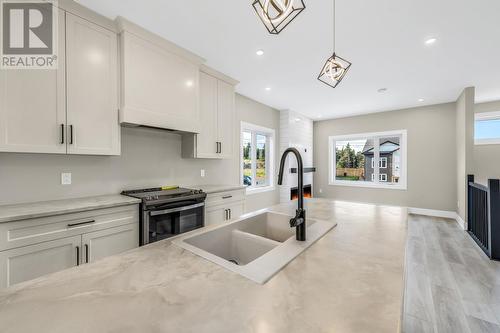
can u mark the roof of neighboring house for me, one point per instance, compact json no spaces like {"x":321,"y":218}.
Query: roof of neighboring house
{"x":386,"y":146}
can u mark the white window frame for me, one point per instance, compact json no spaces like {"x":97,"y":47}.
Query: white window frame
{"x":486,"y":116}
{"x":383,"y":163}
{"x":382,"y":177}
{"x":270,"y":146}
{"x":332,"y":165}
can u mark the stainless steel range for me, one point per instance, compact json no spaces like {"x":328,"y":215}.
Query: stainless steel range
{"x":165,"y":213}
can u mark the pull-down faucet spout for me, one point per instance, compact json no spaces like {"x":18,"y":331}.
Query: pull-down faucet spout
{"x":299,"y":221}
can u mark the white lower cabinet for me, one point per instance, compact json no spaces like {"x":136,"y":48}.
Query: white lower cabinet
{"x":29,"y":262}
{"x":40,"y":246}
{"x":223,"y":207}
{"x":108,"y":242}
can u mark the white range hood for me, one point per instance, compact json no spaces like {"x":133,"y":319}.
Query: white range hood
{"x":159,"y":81}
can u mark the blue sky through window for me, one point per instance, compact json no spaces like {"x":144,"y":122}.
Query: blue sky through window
{"x":487,"y":129}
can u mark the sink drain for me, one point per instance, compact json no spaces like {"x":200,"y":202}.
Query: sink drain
{"x":233,"y":261}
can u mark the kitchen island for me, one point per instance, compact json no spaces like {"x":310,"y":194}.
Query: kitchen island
{"x":351,"y":280}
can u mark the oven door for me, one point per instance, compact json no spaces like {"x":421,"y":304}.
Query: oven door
{"x":166,"y":222}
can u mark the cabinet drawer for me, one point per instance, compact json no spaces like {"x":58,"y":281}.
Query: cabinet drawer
{"x":32,"y":231}
{"x":223,"y":198}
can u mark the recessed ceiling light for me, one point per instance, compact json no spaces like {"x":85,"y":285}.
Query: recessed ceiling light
{"x":430,"y":41}
{"x":382,"y":90}
{"x":260,"y":52}
{"x":420,"y":99}
{"x":268,"y":88}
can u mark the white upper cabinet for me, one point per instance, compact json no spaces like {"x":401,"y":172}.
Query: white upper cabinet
{"x":92,"y":93}
{"x":225,"y":118}
{"x":32,"y":107}
{"x":73,"y":109}
{"x":215,"y":138}
{"x":207,"y":144}
{"x":160,"y":82}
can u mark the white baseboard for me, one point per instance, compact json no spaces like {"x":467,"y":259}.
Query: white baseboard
{"x":438,"y":213}
{"x":461,"y":222}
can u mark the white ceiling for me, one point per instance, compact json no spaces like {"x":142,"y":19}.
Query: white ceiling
{"x":383,"y":39}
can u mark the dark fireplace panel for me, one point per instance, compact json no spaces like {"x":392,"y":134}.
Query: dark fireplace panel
{"x":294,"y":192}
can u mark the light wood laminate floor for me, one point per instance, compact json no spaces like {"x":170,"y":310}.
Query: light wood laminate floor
{"x":451,"y":285}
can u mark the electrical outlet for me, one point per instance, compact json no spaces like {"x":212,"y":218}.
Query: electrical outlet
{"x":202,"y":173}
{"x":66,"y":178}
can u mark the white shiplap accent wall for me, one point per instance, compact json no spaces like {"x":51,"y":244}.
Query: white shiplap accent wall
{"x":295,"y":131}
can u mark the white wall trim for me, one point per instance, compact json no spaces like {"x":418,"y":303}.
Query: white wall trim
{"x":461,"y":222}
{"x":438,"y":213}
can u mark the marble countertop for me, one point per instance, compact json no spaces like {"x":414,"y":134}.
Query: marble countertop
{"x":208,"y":189}
{"x":351,"y":280}
{"x":9,"y":213}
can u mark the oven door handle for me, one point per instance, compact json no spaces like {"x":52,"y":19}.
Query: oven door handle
{"x":174,"y":210}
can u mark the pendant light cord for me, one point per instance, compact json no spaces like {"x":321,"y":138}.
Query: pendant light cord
{"x":334,"y":21}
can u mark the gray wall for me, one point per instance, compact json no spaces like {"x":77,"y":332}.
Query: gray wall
{"x":149,"y":158}
{"x":487,"y":157}
{"x":431,"y":157}
{"x":464,"y":146}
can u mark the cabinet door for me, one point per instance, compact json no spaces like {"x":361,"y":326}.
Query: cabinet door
{"x":29,"y":262}
{"x":32,"y":107}
{"x":92,"y":88}
{"x":208,"y":136}
{"x":225,"y":118}
{"x":236,"y":210}
{"x":215,"y":216}
{"x":104,"y":243}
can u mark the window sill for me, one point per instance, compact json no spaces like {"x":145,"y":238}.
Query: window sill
{"x":400,"y":187}
{"x":256,"y":190}
{"x":482,"y":142}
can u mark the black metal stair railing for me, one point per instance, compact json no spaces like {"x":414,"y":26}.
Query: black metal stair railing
{"x":483,"y":215}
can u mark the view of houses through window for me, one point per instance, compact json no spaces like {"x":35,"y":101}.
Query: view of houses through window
{"x":256,"y":147}
{"x":371,"y":159}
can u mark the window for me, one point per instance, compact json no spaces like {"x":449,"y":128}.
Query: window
{"x":257,"y":157}
{"x":369,"y":160}
{"x":383,"y":163}
{"x":487,"y":128}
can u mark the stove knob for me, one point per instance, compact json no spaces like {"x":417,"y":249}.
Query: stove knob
{"x":148,"y":198}
{"x":156,"y":197}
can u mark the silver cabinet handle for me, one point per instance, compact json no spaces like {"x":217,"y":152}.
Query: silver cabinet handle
{"x":229,"y":213}
{"x":78,"y":256}
{"x":227,"y":197}
{"x":220,"y":149}
{"x":226,"y":212}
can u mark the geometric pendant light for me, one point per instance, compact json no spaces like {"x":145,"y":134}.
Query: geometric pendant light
{"x":277,"y":14}
{"x":335,"y":67}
